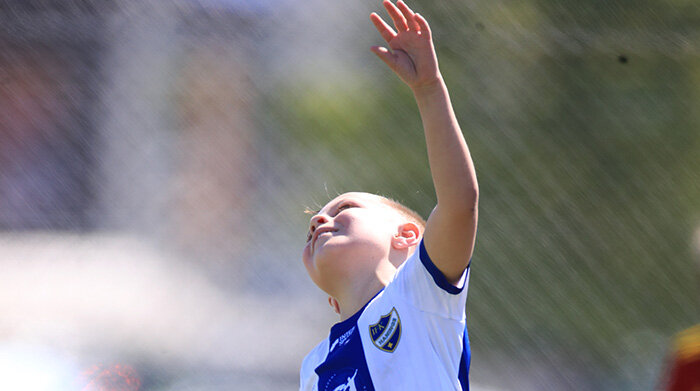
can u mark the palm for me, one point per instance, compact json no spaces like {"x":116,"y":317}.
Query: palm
{"x":404,"y":44}
{"x":412,"y":55}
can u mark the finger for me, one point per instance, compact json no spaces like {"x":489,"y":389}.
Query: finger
{"x":384,"y":29}
{"x":385,"y":55}
{"x":408,"y":14}
{"x":396,"y":16}
{"x":424,"y":28}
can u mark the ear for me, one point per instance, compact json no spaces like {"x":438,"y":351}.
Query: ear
{"x":407,"y":236}
{"x":334,"y":304}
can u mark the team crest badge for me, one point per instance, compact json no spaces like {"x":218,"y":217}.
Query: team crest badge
{"x":386,"y":333}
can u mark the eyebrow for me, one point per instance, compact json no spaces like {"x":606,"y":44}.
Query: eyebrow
{"x":314,"y":212}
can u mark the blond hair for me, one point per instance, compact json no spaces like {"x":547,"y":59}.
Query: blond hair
{"x":404,"y":211}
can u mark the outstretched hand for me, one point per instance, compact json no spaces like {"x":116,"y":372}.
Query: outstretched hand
{"x":412,"y":55}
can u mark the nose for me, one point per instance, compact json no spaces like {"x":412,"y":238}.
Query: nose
{"x":318,"y":220}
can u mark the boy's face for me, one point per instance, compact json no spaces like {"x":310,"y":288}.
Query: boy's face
{"x":349,"y":238}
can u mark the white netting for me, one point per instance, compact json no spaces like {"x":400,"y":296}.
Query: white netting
{"x":156,"y":159}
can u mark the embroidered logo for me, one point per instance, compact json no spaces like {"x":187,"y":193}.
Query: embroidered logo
{"x":343,"y":339}
{"x":349,"y":386}
{"x":386,"y":333}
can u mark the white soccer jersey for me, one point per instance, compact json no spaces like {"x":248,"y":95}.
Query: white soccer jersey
{"x":411,"y":336}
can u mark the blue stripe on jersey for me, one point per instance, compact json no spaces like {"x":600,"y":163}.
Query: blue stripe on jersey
{"x":441,"y":281}
{"x":465,"y":362}
{"x":345,"y":367}
{"x":437,"y":275}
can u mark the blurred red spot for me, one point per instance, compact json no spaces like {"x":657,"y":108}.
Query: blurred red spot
{"x":117,"y":377}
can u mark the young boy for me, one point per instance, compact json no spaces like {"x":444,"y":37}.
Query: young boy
{"x":398,"y":284}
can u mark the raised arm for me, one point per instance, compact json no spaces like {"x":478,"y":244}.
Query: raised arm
{"x":451,"y":230}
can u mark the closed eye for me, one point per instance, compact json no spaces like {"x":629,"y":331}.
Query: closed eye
{"x":343,"y":207}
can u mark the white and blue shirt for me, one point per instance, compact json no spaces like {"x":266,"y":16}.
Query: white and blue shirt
{"x":411,"y":336}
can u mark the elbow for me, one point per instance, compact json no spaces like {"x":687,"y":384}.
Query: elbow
{"x":467,"y":204}
{"x":469,"y":193}
{"x":471,"y":199}
{"x":461,"y":199}
{"x":472,"y":205}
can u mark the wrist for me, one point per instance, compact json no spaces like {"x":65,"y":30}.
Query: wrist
{"x":429,"y":88}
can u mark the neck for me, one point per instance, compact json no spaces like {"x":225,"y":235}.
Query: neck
{"x":350,"y":304}
{"x":358,"y":294}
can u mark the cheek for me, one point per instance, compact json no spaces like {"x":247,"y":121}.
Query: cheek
{"x":306,"y":255}
{"x":309,"y":263}
{"x":375,"y":222}
{"x":371,"y":230}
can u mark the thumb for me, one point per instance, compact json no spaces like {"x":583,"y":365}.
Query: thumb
{"x":385,"y":55}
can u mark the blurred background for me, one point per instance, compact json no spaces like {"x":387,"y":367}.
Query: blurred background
{"x":156,"y":158}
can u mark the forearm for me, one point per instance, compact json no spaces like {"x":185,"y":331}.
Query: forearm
{"x":451,"y":165}
{"x":451,"y":228}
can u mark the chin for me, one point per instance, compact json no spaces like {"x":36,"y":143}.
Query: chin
{"x":336,"y":249}
{"x":332,"y":255}
{"x":341,"y":257}
{"x":327,"y":255}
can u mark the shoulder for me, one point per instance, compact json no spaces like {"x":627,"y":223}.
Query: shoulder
{"x":420,"y":264}
{"x":314,"y":357}
{"x":419,"y":282}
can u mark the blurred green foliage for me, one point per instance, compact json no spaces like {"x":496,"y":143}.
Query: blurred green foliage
{"x":583,"y":122}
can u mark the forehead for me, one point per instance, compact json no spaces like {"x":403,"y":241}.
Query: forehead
{"x":366,"y":199}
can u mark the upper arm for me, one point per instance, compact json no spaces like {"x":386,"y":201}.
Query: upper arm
{"x":449,"y":239}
